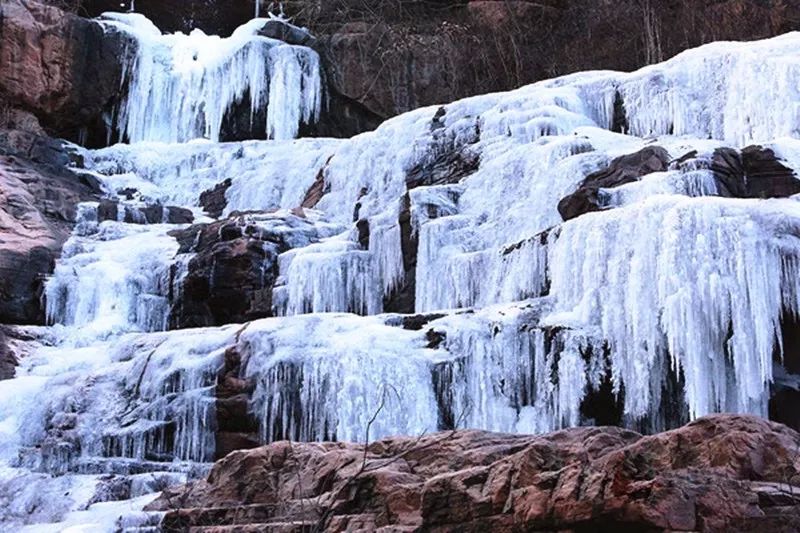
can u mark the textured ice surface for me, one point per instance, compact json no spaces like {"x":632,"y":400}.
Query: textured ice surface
{"x":180,"y":86}
{"x":669,"y":295}
{"x":112,"y":279}
{"x":701,"y":281}
{"x":264,"y":175}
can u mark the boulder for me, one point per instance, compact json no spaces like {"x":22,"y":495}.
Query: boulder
{"x":720,"y":473}
{"x":234,"y":266}
{"x":230,"y":277}
{"x":755,"y":172}
{"x":213,"y":200}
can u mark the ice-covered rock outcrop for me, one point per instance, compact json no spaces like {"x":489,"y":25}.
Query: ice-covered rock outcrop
{"x":181,"y":86}
{"x":667,"y":295}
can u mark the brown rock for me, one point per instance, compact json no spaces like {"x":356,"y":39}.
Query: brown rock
{"x":231,"y":276}
{"x":37,"y":210}
{"x":622,"y":170}
{"x":8,"y":360}
{"x":720,"y":473}
{"x":213,"y":201}
{"x":754,"y":172}
{"x":60,"y":67}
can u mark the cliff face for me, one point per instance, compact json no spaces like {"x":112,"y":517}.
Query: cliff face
{"x":57,"y":71}
{"x":38,"y":199}
{"x":382,"y":58}
{"x":393,"y":56}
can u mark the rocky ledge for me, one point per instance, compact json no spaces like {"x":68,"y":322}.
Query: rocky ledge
{"x":38,"y":204}
{"x":720,"y":473}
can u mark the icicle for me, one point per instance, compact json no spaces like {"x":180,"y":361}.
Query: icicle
{"x":114,"y":281}
{"x":265,"y":175}
{"x":324,"y":378}
{"x":182,"y":86}
{"x":331,"y":276}
{"x":703,"y":280}
{"x":507,"y":375}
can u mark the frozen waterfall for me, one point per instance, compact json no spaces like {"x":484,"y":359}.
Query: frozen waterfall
{"x":664,"y":301}
{"x":181,"y":86}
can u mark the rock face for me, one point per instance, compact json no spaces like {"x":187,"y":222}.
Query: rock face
{"x":389,"y":57}
{"x":213,"y":201}
{"x":8,"y":361}
{"x":381,"y":58}
{"x":230,"y":277}
{"x":622,"y":170}
{"x":753,"y":172}
{"x":721,"y":473}
{"x":37,"y":208}
{"x":59,"y":67}
{"x":237,"y":428}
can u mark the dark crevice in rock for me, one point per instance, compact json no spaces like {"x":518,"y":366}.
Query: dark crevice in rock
{"x":237,"y":428}
{"x":619,"y":122}
{"x":403,"y":298}
{"x":317,"y":190}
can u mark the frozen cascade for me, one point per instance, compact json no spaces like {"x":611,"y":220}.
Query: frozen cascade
{"x":323,"y":377}
{"x":668,"y":283}
{"x":329,"y":276}
{"x":264,"y":175}
{"x":669,"y":277}
{"x":181,"y":86}
{"x":472,"y":247}
{"x":112,"y":278}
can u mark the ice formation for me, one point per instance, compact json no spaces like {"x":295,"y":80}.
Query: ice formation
{"x":264,"y":175}
{"x":669,"y":299}
{"x":703,"y":282}
{"x":112,"y":278}
{"x":181,"y":86}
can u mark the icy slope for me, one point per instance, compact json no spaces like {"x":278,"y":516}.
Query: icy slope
{"x":666,"y":303}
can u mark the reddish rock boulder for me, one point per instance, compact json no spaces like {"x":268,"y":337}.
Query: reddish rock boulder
{"x":720,"y":473}
{"x":213,"y":200}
